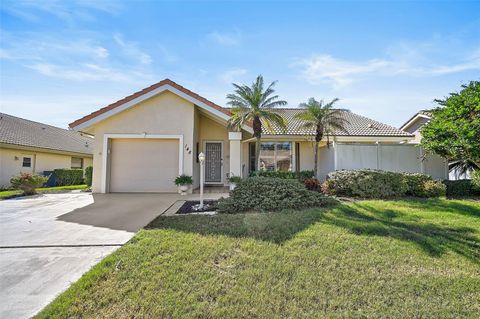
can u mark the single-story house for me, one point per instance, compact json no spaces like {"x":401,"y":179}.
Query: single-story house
{"x":32,"y":147}
{"x":414,"y":126}
{"x":145,"y":140}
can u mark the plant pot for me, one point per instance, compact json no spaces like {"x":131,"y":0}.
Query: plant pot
{"x":232,"y":186}
{"x":183,"y":189}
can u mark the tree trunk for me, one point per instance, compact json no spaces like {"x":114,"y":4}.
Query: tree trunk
{"x":257,"y":154}
{"x":318,"y":138}
{"x":257,"y":133}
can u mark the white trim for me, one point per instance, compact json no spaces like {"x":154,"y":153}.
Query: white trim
{"x":106,"y":151}
{"x":413,"y":119}
{"x":222,"y":181}
{"x":141,"y":98}
{"x":235,"y":136}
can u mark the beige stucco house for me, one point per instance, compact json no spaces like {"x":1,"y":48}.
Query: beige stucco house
{"x":32,"y":147}
{"x":145,"y":140}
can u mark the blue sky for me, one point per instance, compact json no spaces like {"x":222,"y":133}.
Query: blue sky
{"x":60,"y":60}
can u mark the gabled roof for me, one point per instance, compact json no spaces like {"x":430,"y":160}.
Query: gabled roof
{"x":167,"y":84}
{"x":357,"y":126}
{"x":22,"y":132}
{"x":420,"y":114}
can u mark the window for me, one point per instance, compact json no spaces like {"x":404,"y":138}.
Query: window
{"x":276,"y":156}
{"x":27,"y":162}
{"x":77,"y":162}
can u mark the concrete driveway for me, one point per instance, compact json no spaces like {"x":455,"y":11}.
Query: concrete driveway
{"x":48,"y":241}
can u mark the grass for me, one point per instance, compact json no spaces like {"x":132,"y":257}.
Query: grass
{"x":11,"y":193}
{"x":368,"y":259}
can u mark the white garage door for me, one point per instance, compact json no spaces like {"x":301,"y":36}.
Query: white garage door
{"x":143,"y":165}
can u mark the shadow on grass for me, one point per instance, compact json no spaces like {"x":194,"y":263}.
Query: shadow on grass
{"x":360,"y":218}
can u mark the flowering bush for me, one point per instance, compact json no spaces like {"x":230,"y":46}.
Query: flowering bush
{"x":312,"y":184}
{"x":28,"y":182}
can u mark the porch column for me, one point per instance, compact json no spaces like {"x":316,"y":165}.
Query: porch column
{"x":235,"y":153}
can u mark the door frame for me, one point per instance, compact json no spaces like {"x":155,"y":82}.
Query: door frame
{"x":107,"y":137}
{"x":222,"y":181}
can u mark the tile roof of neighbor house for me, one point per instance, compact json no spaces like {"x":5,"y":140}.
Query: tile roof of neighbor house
{"x":145,"y":91}
{"x":22,"y":132}
{"x":358,"y":125}
{"x":421,"y":113}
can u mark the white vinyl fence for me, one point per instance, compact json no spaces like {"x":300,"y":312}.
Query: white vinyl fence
{"x":389,"y":157}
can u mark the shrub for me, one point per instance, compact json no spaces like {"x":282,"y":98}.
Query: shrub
{"x":365,"y":184}
{"x":301,"y":175}
{"x":433,"y":188}
{"x":88,"y":175}
{"x":28,"y":182}
{"x":459,"y":188}
{"x":476,"y":180}
{"x":183,"y":180}
{"x":234,"y":179}
{"x":312,"y":184}
{"x":271,"y":194}
{"x":66,"y":177}
{"x":416,"y":184}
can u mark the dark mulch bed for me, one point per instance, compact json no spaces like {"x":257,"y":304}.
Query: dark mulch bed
{"x":188,"y":206}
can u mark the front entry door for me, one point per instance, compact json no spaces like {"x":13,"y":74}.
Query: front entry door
{"x":213,"y":162}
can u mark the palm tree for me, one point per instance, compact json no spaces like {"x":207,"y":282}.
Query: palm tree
{"x":256,"y":106}
{"x":323,"y":120}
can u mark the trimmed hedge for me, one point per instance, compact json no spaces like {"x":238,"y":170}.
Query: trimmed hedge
{"x":462,"y":187}
{"x":381,"y":184}
{"x":365,"y":184}
{"x":88,"y":175}
{"x":301,"y":175}
{"x":66,"y":177}
{"x":271,"y":194}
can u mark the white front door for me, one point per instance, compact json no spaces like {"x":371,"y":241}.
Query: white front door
{"x":213,"y":162}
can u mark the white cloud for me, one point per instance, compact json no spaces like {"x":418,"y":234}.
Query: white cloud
{"x":69,"y":11}
{"x":324,"y":68}
{"x":102,"y":52}
{"x":131,"y":49}
{"x":225,"y":38}
{"x":87,"y":72}
{"x":232,"y":75}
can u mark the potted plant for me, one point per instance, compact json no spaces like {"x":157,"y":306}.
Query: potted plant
{"x":234,"y":180}
{"x":183,"y":181}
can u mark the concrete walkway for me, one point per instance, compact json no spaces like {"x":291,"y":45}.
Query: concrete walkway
{"x":48,"y":241}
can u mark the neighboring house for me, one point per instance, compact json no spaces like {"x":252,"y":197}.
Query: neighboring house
{"x":145,"y":140}
{"x":414,"y":125}
{"x":32,"y":147}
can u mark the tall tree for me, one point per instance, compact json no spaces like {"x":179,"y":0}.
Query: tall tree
{"x":454,"y":130}
{"x":256,"y":106}
{"x":323,"y":120}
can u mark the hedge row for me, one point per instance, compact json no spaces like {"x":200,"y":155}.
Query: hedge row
{"x":66,"y":177}
{"x":301,"y":175}
{"x":381,"y":184}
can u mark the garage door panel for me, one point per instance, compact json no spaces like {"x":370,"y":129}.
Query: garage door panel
{"x":143,"y":165}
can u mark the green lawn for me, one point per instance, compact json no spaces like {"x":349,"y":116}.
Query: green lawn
{"x":9,"y":193}
{"x":369,"y":259}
